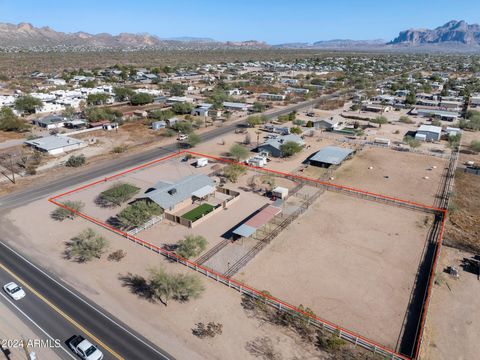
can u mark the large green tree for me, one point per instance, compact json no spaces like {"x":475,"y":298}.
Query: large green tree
{"x":27,"y":104}
{"x":141,"y":99}
{"x":10,"y":122}
{"x":290,"y":148}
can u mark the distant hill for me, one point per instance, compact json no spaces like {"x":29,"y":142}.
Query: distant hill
{"x":27,"y":36}
{"x":452,"y":33}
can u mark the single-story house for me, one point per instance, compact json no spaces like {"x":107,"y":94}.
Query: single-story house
{"x":439,"y":114}
{"x":50,"y":122}
{"x":236,"y":106}
{"x":273,"y":146}
{"x":272,"y":97}
{"x":326,"y":124}
{"x":330,"y":155}
{"x":377,"y":108}
{"x":175,"y":195}
{"x":179,"y":99}
{"x":75,"y":124}
{"x":428,"y":133}
{"x":56,"y":144}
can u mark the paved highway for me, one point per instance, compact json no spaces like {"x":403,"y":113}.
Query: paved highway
{"x":59,"y":312}
{"x":39,"y":191}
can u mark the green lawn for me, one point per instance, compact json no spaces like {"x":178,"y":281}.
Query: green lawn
{"x":198,"y":212}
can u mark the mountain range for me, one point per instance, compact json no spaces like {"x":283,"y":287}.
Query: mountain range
{"x":26,"y":36}
{"x":452,"y":36}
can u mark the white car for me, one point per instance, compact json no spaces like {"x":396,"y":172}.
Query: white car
{"x":182,"y":137}
{"x":14,"y":291}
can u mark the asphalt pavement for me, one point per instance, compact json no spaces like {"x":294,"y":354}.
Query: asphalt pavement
{"x":60,"y":311}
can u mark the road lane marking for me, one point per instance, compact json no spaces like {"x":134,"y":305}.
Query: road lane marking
{"x":85,"y":302}
{"x":61,"y":313}
{"x":69,"y":353}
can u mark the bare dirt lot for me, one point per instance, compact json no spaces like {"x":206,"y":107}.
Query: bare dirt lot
{"x":453,"y":321}
{"x":406,"y":174}
{"x":351,"y":261}
{"x":463,"y":225}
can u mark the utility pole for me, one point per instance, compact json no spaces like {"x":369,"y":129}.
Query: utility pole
{"x":11,"y":168}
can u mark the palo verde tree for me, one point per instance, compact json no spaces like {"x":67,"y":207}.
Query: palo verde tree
{"x":191,"y":246}
{"x":116,"y":195}
{"x":180,"y":287}
{"x":68,"y":212}
{"x":239,"y":152}
{"x":138,"y":213}
{"x":86,"y":246}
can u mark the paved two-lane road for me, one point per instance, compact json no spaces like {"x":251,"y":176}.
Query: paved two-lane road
{"x":61,"y":312}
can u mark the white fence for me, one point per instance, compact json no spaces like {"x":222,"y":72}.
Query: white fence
{"x":145,"y":226}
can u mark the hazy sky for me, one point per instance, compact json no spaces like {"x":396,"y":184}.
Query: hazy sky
{"x":273,"y":21}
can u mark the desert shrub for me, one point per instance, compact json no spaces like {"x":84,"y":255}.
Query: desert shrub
{"x":117,"y":255}
{"x":262,"y":347}
{"x":61,"y":213}
{"x":233,"y":172}
{"x":119,"y":149}
{"x":75,"y":160}
{"x":209,"y":330}
{"x":86,"y":246}
{"x":405,"y":119}
{"x":475,"y":145}
{"x":329,"y":342}
{"x":412,"y":142}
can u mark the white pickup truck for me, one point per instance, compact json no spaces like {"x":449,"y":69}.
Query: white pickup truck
{"x":84,"y":348}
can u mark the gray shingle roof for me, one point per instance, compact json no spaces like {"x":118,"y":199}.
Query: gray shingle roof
{"x":167,"y":195}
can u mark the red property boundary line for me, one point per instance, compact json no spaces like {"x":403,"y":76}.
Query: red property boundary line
{"x":243,"y":288}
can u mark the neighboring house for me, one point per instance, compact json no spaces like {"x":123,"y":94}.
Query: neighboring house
{"x":326,"y":124}
{"x":201,"y":110}
{"x":272,"y":97}
{"x":171,"y":122}
{"x":179,"y":99}
{"x":439,"y":114}
{"x":428,"y":133}
{"x":175,"y":195}
{"x":273,"y":146}
{"x":56,"y":144}
{"x":50,"y":122}
{"x":377,"y":108}
{"x":236,"y":106}
{"x":475,"y":100}
{"x":329,"y":155}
